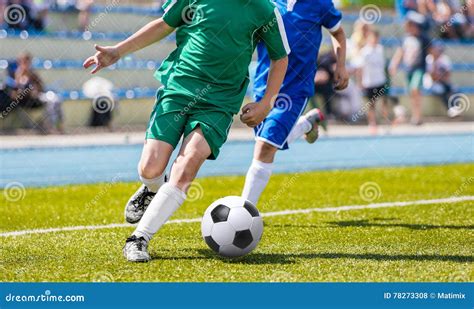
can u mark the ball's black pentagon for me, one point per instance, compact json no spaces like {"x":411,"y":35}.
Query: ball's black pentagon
{"x":251,"y":209}
{"x":242,"y":239}
{"x":220,"y":213}
{"x":211,"y":243}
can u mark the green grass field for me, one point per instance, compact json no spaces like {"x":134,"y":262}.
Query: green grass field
{"x":432,"y":242}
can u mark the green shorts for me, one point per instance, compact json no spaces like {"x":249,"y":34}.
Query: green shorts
{"x":175,"y":116}
{"x":415,"y":79}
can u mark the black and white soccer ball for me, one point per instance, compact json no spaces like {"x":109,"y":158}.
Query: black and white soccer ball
{"x":232,"y":226}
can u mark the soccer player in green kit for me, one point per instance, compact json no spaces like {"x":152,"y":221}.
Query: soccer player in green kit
{"x":204,"y":82}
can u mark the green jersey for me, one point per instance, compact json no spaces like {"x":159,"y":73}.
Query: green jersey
{"x":215,"y":42}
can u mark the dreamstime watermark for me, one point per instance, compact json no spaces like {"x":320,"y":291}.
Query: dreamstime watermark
{"x":14,"y":191}
{"x":109,"y":7}
{"x":370,"y":14}
{"x":363,"y":110}
{"x":13,"y":104}
{"x":454,"y":17}
{"x":102,"y":192}
{"x":459,"y":102}
{"x":195,"y":192}
{"x":46,"y":297}
{"x":192,"y":13}
{"x":14,"y":14}
{"x":462,"y":188}
{"x":282,"y":103}
{"x":102,"y":276}
{"x":268,"y":26}
{"x":370,"y":191}
{"x":200,"y":94}
{"x":103,"y":104}
{"x":284,"y":189}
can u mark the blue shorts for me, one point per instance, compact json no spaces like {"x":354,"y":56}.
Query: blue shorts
{"x":276,"y":128}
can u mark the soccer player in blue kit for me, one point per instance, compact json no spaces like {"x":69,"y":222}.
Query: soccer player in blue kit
{"x":303,"y":20}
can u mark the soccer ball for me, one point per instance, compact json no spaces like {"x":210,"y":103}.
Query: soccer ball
{"x":232,"y":226}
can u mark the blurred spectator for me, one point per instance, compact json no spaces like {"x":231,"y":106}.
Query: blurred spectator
{"x":24,"y":14}
{"x":349,"y":101}
{"x":469,"y":12}
{"x":404,"y":6}
{"x":412,"y":54}
{"x":24,"y":88}
{"x":357,"y":39}
{"x":83,"y":6}
{"x":100,"y":91}
{"x":26,"y":80}
{"x":450,"y":17}
{"x":39,"y":13}
{"x":438,"y":77}
{"x":324,"y":83}
{"x":372,"y":78}
{"x":336,"y":104}
{"x":3,"y":6}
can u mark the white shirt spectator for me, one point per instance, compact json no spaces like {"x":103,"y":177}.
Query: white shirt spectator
{"x":436,"y":73}
{"x":411,"y":51}
{"x":372,"y":63}
{"x":443,"y":63}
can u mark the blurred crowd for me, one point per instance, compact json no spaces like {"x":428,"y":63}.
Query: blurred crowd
{"x":427,"y":69}
{"x":33,"y":14}
{"x":24,"y":90}
{"x":450,"y":19}
{"x":421,"y":55}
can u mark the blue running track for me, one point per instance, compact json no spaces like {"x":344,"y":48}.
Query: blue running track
{"x":59,"y":166}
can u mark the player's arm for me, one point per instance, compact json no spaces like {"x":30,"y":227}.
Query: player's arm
{"x":276,"y":75}
{"x":396,"y":60}
{"x":332,"y":20}
{"x":147,"y":35}
{"x":341,"y":77}
{"x":108,"y":55}
{"x":274,"y":36}
{"x":254,"y":113}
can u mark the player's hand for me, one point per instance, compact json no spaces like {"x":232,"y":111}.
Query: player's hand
{"x":254,"y":113}
{"x":341,"y":78}
{"x":105,"y":56}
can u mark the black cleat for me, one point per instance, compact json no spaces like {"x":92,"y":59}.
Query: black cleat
{"x":136,"y":249}
{"x":137,"y":204}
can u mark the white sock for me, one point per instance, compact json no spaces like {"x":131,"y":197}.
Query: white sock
{"x":257,"y":179}
{"x":302,"y":126}
{"x":153,"y":184}
{"x":164,"y":204}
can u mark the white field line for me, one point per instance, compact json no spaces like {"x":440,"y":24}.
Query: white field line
{"x":449,"y":200}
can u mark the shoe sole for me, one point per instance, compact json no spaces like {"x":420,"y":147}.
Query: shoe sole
{"x":135,"y":261}
{"x":309,"y":137}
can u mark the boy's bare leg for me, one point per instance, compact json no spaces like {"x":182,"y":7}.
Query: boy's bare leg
{"x":385,"y":111}
{"x":416,"y":107}
{"x":194,"y":151}
{"x":151,"y":169}
{"x":372,"y":118}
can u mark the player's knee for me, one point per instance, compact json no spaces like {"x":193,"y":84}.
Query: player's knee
{"x":149,"y":169}
{"x":185,"y":168}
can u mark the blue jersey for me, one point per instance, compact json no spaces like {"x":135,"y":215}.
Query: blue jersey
{"x":303,"y":20}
